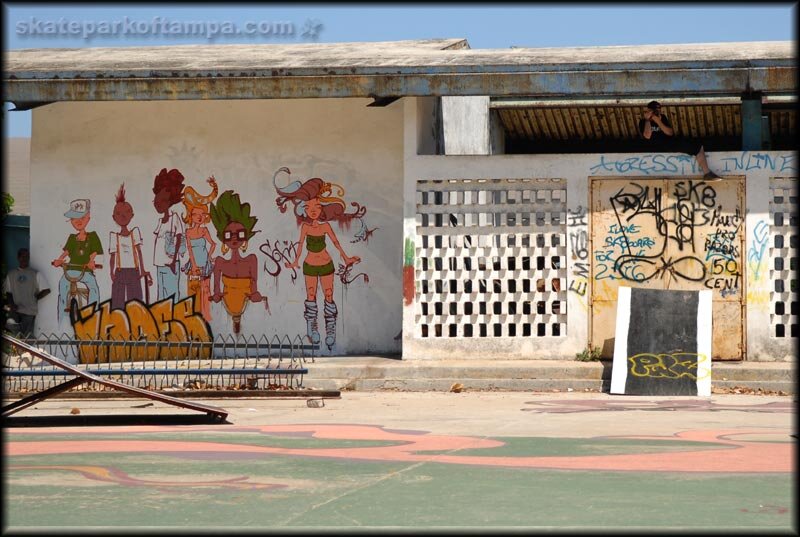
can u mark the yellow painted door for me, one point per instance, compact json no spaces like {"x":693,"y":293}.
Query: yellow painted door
{"x":659,"y":233}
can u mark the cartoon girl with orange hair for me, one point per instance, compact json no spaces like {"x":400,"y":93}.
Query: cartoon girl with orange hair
{"x":201,"y":247}
{"x":315,"y":205}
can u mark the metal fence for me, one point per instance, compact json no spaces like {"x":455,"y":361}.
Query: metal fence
{"x":225,"y":363}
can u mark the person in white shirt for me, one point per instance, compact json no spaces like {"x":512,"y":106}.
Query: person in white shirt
{"x":125,"y":252}
{"x":169,"y":233}
{"x":23,"y":288}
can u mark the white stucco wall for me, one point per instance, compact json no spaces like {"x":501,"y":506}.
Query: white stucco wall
{"x":85,"y":150}
{"x":757,"y":167}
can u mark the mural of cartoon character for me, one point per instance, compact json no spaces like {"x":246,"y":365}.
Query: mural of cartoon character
{"x":314,"y":207}
{"x":78,"y":282}
{"x":201,"y":247}
{"x":125,"y":257}
{"x":169,"y":233}
{"x":236,"y":278}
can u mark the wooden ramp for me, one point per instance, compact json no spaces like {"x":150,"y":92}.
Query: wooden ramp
{"x":82,"y":377}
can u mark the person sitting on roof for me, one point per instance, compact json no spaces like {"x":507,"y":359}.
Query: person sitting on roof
{"x":656,"y":127}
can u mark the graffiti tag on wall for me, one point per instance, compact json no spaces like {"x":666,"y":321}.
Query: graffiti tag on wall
{"x":162,"y":321}
{"x":656,"y":164}
{"x":656,"y":235}
{"x":670,"y":366}
{"x":758,"y":245}
{"x":579,"y":243}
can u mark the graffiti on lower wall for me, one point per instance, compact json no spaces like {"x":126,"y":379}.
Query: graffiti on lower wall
{"x":670,"y":366}
{"x":164,"y":320}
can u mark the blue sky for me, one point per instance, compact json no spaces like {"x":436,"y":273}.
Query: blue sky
{"x":484,"y":26}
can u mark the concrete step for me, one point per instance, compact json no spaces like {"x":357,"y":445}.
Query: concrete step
{"x":376,"y":373}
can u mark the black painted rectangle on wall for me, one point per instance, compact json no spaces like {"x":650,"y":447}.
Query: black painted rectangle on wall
{"x":662,"y":343}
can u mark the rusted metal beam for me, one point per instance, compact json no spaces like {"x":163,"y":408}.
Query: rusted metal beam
{"x":84,"y":376}
{"x":610,"y":102}
{"x":32,"y":399}
{"x":589,"y":83}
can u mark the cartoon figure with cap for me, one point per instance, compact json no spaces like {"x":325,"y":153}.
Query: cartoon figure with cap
{"x":81,"y":248}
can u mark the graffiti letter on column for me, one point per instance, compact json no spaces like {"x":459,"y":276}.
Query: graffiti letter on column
{"x":579,"y":246}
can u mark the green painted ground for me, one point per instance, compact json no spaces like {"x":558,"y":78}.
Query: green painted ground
{"x":342,"y":493}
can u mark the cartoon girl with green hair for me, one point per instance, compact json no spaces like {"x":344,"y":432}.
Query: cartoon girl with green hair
{"x":236,"y":278}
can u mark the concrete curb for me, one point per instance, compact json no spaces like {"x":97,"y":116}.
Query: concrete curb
{"x":375,"y":373}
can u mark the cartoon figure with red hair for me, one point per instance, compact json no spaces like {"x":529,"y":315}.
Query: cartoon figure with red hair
{"x":125,"y":256}
{"x":315,"y":206}
{"x":170,"y":243}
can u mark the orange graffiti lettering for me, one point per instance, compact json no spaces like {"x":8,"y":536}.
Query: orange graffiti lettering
{"x":162,"y":321}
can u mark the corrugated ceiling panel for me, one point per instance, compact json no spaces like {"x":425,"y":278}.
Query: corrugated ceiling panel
{"x":783,"y":123}
{"x":621,"y":122}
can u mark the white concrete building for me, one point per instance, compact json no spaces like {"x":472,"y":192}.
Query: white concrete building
{"x":495,"y":200}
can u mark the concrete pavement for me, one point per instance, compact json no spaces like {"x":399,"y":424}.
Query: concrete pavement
{"x":410,"y":461}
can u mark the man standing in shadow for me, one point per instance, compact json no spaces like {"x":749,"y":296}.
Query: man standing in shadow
{"x":24,"y":287}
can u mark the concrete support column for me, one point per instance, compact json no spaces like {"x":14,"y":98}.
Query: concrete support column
{"x":466,"y":125}
{"x":751,"y":123}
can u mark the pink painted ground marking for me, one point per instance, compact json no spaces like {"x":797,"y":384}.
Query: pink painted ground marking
{"x":732,"y":456}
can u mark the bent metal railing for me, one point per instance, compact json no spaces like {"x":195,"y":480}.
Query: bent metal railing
{"x":225,"y":363}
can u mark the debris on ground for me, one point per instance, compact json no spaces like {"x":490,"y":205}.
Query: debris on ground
{"x":457,"y":387}
{"x":75,"y":410}
{"x":744,"y":390}
{"x":315,"y":403}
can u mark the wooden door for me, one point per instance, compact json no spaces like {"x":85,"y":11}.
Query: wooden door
{"x":669,"y":233}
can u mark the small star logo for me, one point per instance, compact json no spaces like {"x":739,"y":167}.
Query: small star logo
{"x":312,"y":28}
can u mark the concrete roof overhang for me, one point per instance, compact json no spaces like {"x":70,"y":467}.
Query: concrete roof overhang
{"x":437,"y":67}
